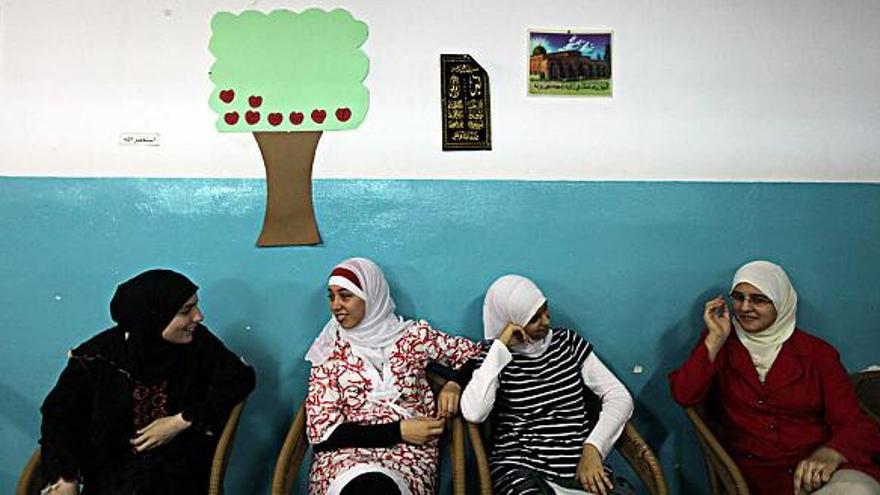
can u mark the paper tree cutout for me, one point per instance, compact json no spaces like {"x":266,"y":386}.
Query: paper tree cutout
{"x":287,"y":77}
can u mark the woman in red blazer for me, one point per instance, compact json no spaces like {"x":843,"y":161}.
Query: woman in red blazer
{"x":790,"y":418}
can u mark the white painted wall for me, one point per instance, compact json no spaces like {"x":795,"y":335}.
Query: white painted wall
{"x":704,"y":89}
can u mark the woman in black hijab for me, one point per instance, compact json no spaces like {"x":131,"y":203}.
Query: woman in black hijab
{"x":140,"y":406}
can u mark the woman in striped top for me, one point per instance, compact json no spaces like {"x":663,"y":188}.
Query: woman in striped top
{"x":557,"y":410}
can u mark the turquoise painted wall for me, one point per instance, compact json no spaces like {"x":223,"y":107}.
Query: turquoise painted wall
{"x":627,"y":264}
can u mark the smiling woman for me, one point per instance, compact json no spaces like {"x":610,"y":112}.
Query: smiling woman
{"x":138,"y":406}
{"x":557,"y":410}
{"x":791,"y":420}
{"x":182,"y":327}
{"x":372,"y":418}
{"x":346,"y":298}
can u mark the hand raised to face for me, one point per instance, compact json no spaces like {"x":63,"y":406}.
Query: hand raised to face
{"x":716,"y":316}
{"x":514,"y":334}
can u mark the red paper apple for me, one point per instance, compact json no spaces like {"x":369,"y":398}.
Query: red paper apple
{"x":275,"y":118}
{"x":255,"y":101}
{"x":343,"y":114}
{"x":252,"y":117}
{"x":227,"y":95}
{"x":296,"y":118}
{"x":318,"y":116}
{"x":231,"y":118}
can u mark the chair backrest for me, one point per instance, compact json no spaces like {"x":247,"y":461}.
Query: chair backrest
{"x":295,"y":446}
{"x":724,"y":475}
{"x":867,"y":387}
{"x":33,"y":479}
{"x":631,"y":446}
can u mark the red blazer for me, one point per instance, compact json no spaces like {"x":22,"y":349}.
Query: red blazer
{"x":806,"y":401}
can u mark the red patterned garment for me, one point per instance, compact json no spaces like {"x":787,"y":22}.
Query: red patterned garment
{"x":339,"y":393}
{"x":149,"y":403}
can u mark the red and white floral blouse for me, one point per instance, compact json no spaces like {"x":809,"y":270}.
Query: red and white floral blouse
{"x":339,"y":393}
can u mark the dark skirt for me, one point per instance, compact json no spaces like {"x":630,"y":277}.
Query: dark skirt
{"x":178,"y":468}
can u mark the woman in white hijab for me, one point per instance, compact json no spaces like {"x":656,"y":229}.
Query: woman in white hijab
{"x":558,"y":410}
{"x":791,"y":419}
{"x":371,"y":416}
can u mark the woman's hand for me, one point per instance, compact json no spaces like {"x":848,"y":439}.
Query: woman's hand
{"x":591,"y":473}
{"x":816,"y":470}
{"x":159,"y":432}
{"x":421,"y":430}
{"x":717,"y":319}
{"x":447,"y":401}
{"x":514,"y":334}
{"x":62,"y":487}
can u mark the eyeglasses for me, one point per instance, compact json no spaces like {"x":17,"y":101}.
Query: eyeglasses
{"x":755,"y":299}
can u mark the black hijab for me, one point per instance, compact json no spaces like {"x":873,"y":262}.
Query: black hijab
{"x":143,"y":307}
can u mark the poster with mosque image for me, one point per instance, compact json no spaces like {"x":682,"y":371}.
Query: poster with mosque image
{"x":570,"y":63}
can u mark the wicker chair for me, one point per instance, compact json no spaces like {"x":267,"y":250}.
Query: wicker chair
{"x":32,"y":478}
{"x":295,"y":446}
{"x":631,"y":446}
{"x":867,"y":387}
{"x":724,"y":475}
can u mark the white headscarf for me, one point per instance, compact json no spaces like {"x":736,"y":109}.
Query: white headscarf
{"x":372,"y":338}
{"x":765,"y":345}
{"x":513,"y":299}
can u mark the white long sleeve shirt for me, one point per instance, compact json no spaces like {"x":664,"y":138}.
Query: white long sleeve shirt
{"x":478,"y":397}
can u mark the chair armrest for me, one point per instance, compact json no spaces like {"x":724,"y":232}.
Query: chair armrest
{"x":457,"y":456}
{"x":223,"y":450}
{"x":32,"y":479}
{"x":479,"y":448}
{"x":724,"y":474}
{"x":456,"y":447}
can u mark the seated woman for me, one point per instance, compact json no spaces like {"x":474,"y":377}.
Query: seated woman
{"x":790,"y":419}
{"x":370,"y":414}
{"x":557,"y":410}
{"x":140,"y":406}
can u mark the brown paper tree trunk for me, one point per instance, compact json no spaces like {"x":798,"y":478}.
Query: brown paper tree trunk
{"x":290,"y":216}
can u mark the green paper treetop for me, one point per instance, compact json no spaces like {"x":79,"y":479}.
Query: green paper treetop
{"x":288,"y":71}
{"x":287,"y":77}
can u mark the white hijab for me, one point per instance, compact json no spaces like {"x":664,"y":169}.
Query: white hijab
{"x":765,"y":345}
{"x":372,"y":338}
{"x":513,"y":299}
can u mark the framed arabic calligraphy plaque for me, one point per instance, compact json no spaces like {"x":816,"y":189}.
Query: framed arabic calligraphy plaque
{"x":465,"y":108}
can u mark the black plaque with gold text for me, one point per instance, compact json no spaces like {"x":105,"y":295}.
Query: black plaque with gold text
{"x":465,"y":98}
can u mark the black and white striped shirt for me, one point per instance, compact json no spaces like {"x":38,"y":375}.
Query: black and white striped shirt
{"x":546,"y":407}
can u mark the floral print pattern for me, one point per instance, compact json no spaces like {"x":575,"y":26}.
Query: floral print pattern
{"x":339,"y":393}
{"x":148,"y":403}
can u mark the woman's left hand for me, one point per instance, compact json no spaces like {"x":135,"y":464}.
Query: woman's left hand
{"x":591,"y":473}
{"x":816,"y":470}
{"x":447,"y":401}
{"x":159,"y":432}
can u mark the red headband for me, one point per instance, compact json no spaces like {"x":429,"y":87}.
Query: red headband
{"x":346,"y":274}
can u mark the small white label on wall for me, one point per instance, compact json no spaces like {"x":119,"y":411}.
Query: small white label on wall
{"x":139,"y":138}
